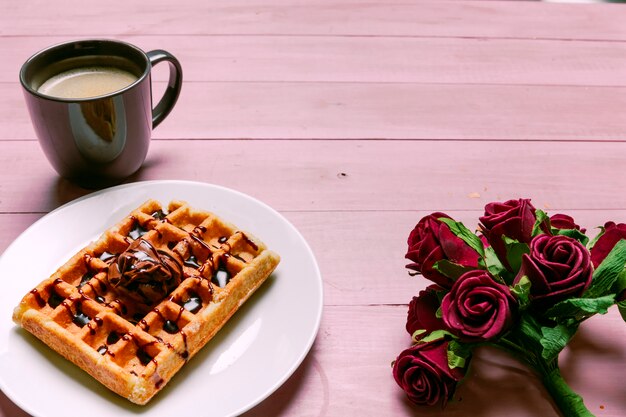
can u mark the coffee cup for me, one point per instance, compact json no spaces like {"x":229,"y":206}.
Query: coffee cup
{"x":90,"y":102}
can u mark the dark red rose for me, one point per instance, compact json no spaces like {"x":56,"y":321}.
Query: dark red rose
{"x":514,"y":219}
{"x":563,"y":221}
{"x":423,"y":373}
{"x":613,"y":233}
{"x":558,"y":267}
{"x":422,"y":314}
{"x":478,"y":308}
{"x":431,"y":241}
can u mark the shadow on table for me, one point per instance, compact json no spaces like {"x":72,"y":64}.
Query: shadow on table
{"x":9,"y":409}
{"x":63,"y":191}
{"x":496,"y":383}
{"x":283,"y":398}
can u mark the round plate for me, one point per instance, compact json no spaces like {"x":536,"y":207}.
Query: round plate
{"x":253,"y":354}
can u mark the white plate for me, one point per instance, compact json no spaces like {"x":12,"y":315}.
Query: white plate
{"x":257,"y":350}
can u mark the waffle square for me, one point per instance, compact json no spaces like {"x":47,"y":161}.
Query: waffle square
{"x":134,"y":306}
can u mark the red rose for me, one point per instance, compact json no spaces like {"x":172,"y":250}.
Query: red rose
{"x":514,"y":219}
{"x":563,"y":221}
{"x":613,"y":233}
{"x":431,"y":241}
{"x":478,"y":308}
{"x":423,"y":373}
{"x":422,"y":312}
{"x":558,"y":267}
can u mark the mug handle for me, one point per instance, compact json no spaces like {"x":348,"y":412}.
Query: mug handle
{"x":166,"y":104}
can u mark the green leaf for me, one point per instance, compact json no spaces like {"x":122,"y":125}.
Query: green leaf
{"x":554,"y":340}
{"x":567,"y":401}
{"x":436,"y":335}
{"x":608,"y":272}
{"x":527,"y":333}
{"x":450,"y":269}
{"x":493,"y":264}
{"x":514,"y":252}
{"x":580,"y":308}
{"x":621,"y":306}
{"x":465,"y":234}
{"x":522,"y":292}
{"x":620,"y":284}
{"x":591,"y":244}
{"x":573,"y":233}
{"x":458,"y":354}
{"x":416,"y":334}
{"x":542,"y":220}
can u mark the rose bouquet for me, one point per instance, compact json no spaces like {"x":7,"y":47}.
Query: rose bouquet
{"x":524,"y":283}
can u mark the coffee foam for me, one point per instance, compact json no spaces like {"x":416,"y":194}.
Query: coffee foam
{"x":86,"y":82}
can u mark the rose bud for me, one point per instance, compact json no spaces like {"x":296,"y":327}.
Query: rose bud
{"x":422,"y":314}
{"x":431,"y":241}
{"x":558,"y":267}
{"x":613,"y":233}
{"x":514,"y":219}
{"x":478,"y":308}
{"x":564,"y":222}
{"x":423,"y":373}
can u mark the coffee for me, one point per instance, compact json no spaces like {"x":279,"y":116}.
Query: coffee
{"x":87,"y":82}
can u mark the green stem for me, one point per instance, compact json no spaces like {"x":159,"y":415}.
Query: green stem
{"x":568,"y":402}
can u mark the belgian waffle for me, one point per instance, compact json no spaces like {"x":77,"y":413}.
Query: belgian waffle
{"x":134,"y":306}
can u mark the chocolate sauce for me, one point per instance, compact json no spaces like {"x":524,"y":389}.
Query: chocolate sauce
{"x":192,"y":261}
{"x":113,"y":337}
{"x":201,"y":243}
{"x":100,"y":299}
{"x":223,"y":239}
{"x":145,"y":274}
{"x":80,"y":319}
{"x":97,"y":321}
{"x":249,"y":241}
{"x":119,"y":308}
{"x":185,"y":354}
{"x":102,"y":349}
{"x":55,"y":299}
{"x":159,"y":215}
{"x":136,"y":318}
{"x":144,"y":357}
{"x":193,"y":304}
{"x":170,"y":326}
{"x":137,"y":231}
{"x":85,"y":279}
{"x":40,"y":301}
{"x":106,"y":256}
{"x":239,"y":258}
{"x":221,"y":277}
{"x":144,"y":325}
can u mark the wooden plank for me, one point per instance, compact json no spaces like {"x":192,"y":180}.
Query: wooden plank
{"x":503,"y":19}
{"x":355,"y":346}
{"x":370,"y":59}
{"x":352,"y":355}
{"x":360,"y":254}
{"x":373,"y":111}
{"x":355,"y":175}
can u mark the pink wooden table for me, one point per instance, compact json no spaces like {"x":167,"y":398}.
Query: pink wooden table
{"x":354,"y":119}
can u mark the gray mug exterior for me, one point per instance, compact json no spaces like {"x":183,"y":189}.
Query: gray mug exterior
{"x":101,"y":140}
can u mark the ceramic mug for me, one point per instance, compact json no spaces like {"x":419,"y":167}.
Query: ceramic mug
{"x":93,"y":124}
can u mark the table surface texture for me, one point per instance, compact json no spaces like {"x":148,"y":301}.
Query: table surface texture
{"x":354,"y":119}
